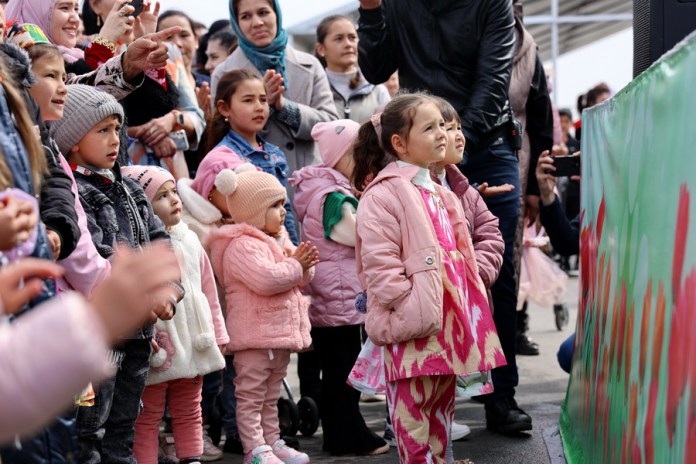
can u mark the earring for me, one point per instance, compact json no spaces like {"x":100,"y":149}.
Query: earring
{"x":99,"y":21}
{"x":227,"y":119}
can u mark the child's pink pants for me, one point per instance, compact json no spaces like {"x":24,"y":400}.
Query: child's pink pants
{"x":422,"y":409}
{"x":183,"y":396}
{"x":257,"y":388}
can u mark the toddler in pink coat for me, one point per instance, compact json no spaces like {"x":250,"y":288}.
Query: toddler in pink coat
{"x":187,"y":346}
{"x":262,"y":274}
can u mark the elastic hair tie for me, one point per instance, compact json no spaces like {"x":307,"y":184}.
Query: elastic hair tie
{"x":377,"y":124}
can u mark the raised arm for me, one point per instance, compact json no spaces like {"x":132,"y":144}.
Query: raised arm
{"x":376,"y":56}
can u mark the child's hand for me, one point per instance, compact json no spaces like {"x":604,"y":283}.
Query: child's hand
{"x":56,"y":244}
{"x":138,"y":281}
{"x":164,"y":311}
{"x":22,"y":281}
{"x":17,"y":222}
{"x":307,"y":255}
{"x":488,"y":192}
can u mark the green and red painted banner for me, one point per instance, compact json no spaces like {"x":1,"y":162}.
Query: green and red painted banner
{"x":632,"y":391}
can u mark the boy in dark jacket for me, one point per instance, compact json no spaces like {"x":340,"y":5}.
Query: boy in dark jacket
{"x":118,"y":212}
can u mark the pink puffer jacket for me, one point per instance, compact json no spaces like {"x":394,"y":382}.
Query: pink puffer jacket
{"x":400,"y":257}
{"x":336,"y":284}
{"x":265,"y":308}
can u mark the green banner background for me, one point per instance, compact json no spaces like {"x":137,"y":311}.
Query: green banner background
{"x":632,"y":390}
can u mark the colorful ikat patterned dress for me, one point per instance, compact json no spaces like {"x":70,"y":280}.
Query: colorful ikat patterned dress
{"x":421,"y":374}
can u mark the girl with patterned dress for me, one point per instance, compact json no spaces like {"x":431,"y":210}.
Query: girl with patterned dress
{"x":426,"y":303}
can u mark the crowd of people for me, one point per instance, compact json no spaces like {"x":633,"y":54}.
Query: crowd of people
{"x":185,"y":207}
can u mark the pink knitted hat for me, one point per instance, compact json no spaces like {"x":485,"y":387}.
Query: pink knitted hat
{"x":334,"y":138}
{"x":214,"y":162}
{"x":252,"y":193}
{"x":150,"y":177}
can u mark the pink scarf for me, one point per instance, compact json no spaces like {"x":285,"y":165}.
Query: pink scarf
{"x":40,"y":12}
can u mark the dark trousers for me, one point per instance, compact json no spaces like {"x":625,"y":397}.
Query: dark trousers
{"x":106,"y":430}
{"x":309,"y":373}
{"x":345,"y":431}
{"x":227,"y":398}
{"x":498,"y":165}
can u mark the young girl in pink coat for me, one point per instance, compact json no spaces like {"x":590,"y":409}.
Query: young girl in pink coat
{"x":262,"y":274}
{"x":326,"y":206}
{"x":426,"y":303}
{"x":187,"y":346}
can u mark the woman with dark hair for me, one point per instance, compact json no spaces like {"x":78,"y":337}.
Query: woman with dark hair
{"x":185,"y":41}
{"x":220,"y":46}
{"x":297,"y":89}
{"x":201,"y":58}
{"x":337,"y":50}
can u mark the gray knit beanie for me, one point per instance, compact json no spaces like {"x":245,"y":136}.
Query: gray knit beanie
{"x":85,"y":106}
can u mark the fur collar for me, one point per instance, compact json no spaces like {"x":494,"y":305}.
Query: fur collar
{"x":200,"y":208}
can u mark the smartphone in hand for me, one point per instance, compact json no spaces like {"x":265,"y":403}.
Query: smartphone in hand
{"x":138,"y":5}
{"x":566,"y":166}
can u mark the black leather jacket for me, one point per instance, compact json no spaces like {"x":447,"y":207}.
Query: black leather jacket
{"x":460,"y":50}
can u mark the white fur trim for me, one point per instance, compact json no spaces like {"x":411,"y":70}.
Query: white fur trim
{"x":200,"y":208}
{"x":226,"y":182}
{"x":245,"y":167}
{"x":204,"y":341}
{"x":158,"y":358}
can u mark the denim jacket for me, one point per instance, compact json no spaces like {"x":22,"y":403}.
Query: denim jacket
{"x":117,"y":212}
{"x":270,"y":159}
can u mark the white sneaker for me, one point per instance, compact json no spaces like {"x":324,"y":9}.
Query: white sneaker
{"x":288,"y":455}
{"x":459,"y":431}
{"x":261,"y":455}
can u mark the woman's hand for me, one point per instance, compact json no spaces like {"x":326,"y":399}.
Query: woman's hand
{"x":22,"y":281}
{"x":146,"y":22}
{"x":307,"y":255}
{"x":17,"y":222}
{"x":273,"y":82}
{"x":118,"y":25}
{"x":203,"y":97}
{"x":147,"y":52}
{"x":545,"y":178}
{"x":164,"y":149}
{"x":157,"y":129}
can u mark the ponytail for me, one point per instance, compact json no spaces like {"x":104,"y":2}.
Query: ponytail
{"x":368,"y":156}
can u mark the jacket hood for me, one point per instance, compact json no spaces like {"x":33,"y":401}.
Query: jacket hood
{"x":200,"y":208}
{"x":309,"y":181}
{"x":219,"y":239}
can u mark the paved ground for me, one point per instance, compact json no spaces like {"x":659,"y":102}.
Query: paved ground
{"x":541,"y":391}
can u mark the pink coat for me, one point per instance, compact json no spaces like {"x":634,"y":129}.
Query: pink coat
{"x":336,"y":284}
{"x":265,"y":306}
{"x":400,"y":257}
{"x":46,"y":358}
{"x":483,"y":226}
